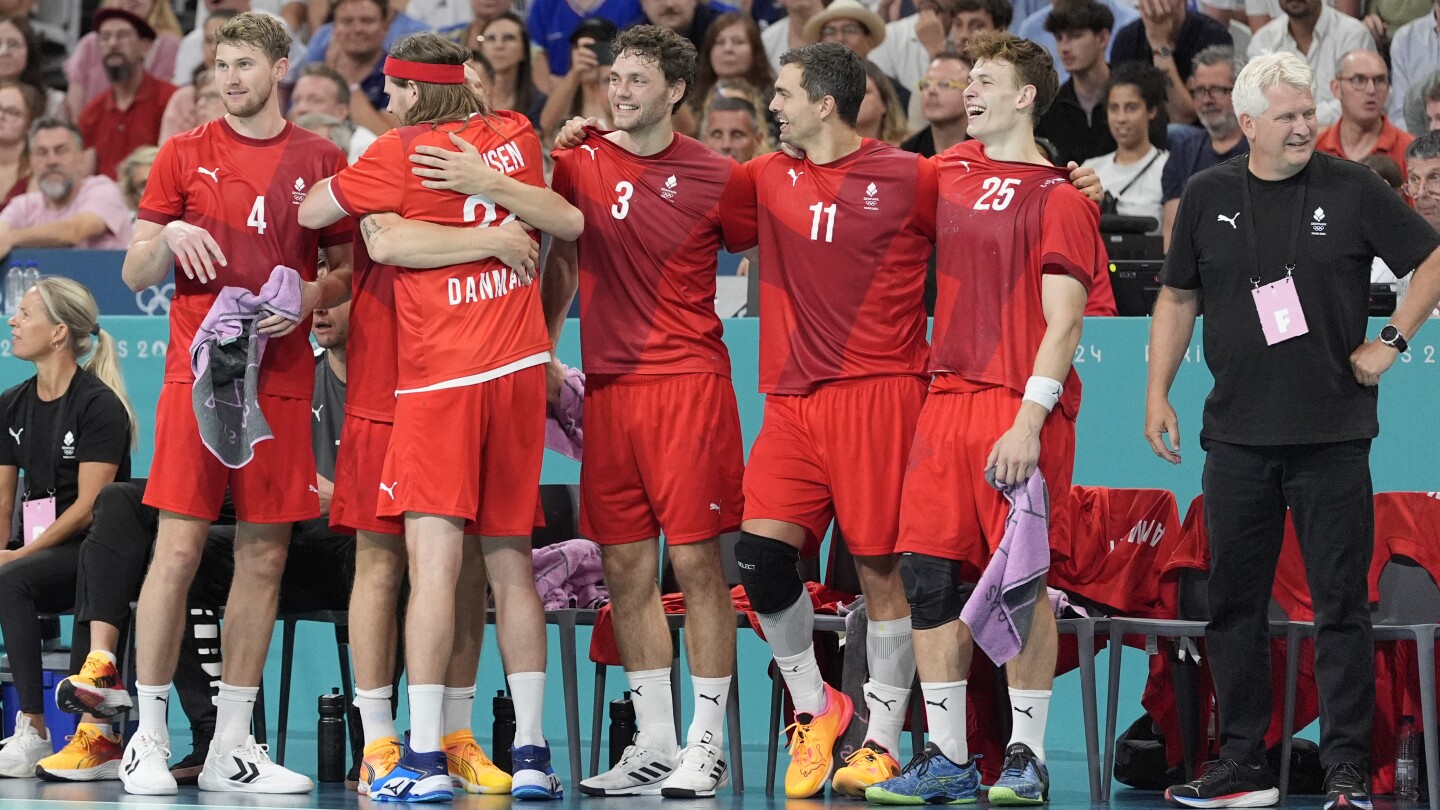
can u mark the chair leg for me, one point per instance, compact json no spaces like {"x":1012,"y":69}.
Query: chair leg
{"x":1185,"y":685}
{"x":1292,"y":676}
{"x":1425,"y":656}
{"x":737,"y":741}
{"x":287,"y":664}
{"x":598,"y":718}
{"x":1117,"y":649}
{"x":570,"y":674}
{"x":772,"y":754}
{"x":1086,"y":642}
{"x":675,"y":689}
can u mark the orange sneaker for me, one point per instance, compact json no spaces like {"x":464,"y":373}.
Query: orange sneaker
{"x":470,"y":770}
{"x":89,"y":755}
{"x":868,"y":766}
{"x":812,"y":745}
{"x":380,"y":758}
{"x":95,"y":689}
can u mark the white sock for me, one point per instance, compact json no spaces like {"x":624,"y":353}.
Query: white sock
{"x":1030,"y":708}
{"x":154,"y":700}
{"x":527,"y":690}
{"x":711,"y":697}
{"x":945,"y":715}
{"x":376,"y":713}
{"x":426,"y":716}
{"x":802,"y":677}
{"x":459,"y":708}
{"x":234,"y":708}
{"x":887,"y":706}
{"x":109,"y":656}
{"x":654,"y":709}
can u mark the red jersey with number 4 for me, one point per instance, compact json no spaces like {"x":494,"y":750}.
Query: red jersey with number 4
{"x":466,"y":323}
{"x":1003,"y":227}
{"x":843,"y":253}
{"x":246,"y":193}
{"x":370,"y":350}
{"x":648,"y":253}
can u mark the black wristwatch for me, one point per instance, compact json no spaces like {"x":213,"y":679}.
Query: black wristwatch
{"x":1391,"y":337}
{"x":1164,"y":52}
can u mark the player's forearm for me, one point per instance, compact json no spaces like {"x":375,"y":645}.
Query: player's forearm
{"x":1177,"y":99}
{"x":67,"y":232}
{"x":1171,"y":328}
{"x":1063,"y":301}
{"x":539,"y":207}
{"x":1420,"y":299}
{"x":319,"y":208}
{"x":147,"y":262}
{"x":557,"y":287}
{"x":392,"y":239}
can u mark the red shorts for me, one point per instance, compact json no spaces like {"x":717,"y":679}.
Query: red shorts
{"x":358,"y":467}
{"x":839,"y":451}
{"x":472,"y":452}
{"x":662,"y":453}
{"x":947,"y":508}
{"x":276,"y":486}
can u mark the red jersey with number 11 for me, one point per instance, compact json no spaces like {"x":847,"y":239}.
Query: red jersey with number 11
{"x":1003,"y":226}
{"x":246,"y":193}
{"x":466,"y":323}
{"x":843,"y":252}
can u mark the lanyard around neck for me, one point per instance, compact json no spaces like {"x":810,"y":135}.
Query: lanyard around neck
{"x":1250,"y":230}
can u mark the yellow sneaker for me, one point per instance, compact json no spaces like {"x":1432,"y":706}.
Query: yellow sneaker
{"x":380,"y":758}
{"x":95,"y":689}
{"x":470,"y":770}
{"x":812,"y":745}
{"x":88,"y":756}
{"x":868,"y":766}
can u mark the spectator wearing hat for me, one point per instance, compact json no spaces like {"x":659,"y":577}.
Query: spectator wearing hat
{"x":688,"y":18}
{"x":69,"y":209}
{"x":85,"y":71}
{"x":850,"y":23}
{"x":128,"y":115}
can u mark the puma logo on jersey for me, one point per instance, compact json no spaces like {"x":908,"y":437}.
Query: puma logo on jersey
{"x":213,"y":174}
{"x":317,"y":411}
{"x":592,"y":150}
{"x":966,"y":164}
{"x":1230,"y":219}
{"x":390,"y":490}
{"x":714,"y":507}
{"x":794,"y":176}
{"x":15,"y":434}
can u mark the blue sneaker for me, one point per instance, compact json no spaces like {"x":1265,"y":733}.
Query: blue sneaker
{"x":416,"y":777}
{"x":929,"y":778}
{"x":533,"y":778}
{"x":1023,"y":780}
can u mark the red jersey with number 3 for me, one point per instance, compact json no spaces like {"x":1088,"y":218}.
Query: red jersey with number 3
{"x":466,"y":323}
{"x":370,"y":353}
{"x":246,"y":193}
{"x":1003,"y":226}
{"x":648,"y":253}
{"x":843,"y":253}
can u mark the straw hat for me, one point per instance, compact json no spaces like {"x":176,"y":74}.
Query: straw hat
{"x":847,"y":10}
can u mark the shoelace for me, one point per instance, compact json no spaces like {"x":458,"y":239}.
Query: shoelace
{"x":699,"y":761}
{"x":1221,"y":770}
{"x":1344,"y":775}
{"x":864,"y":754}
{"x":920,"y":763}
{"x":800,"y":746}
{"x":1015,"y":764}
{"x":146,"y":744}
{"x":472,"y":750}
{"x":255,"y":752}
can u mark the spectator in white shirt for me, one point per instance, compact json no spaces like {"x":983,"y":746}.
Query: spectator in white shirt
{"x":1414,"y":54}
{"x":1135,"y":110}
{"x":198,"y":47}
{"x":1320,"y":35}
{"x":911,"y":43}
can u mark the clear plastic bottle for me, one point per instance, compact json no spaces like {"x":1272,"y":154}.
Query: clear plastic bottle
{"x":14,"y":289}
{"x":32,"y":274}
{"x":1407,"y":761}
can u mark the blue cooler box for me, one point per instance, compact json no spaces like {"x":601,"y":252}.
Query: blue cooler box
{"x":57,"y":668}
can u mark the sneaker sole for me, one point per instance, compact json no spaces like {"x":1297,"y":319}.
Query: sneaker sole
{"x":104,"y":772}
{"x":75,"y":699}
{"x":230,"y":786}
{"x":690,"y":793}
{"x":1350,"y":803}
{"x":477,"y":788}
{"x":142,"y":790}
{"x":1257,"y":798}
{"x":882,"y":796}
{"x":535,"y":794}
{"x":1007,"y":797}
{"x":21,"y":773}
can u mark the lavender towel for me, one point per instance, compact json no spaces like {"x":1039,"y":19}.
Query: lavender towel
{"x":565,"y":422}
{"x":225,"y":357}
{"x":1000,"y":610}
{"x":569,"y":574}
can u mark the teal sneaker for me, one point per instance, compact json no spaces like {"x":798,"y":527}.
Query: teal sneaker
{"x":929,"y":778}
{"x":1024,"y":779}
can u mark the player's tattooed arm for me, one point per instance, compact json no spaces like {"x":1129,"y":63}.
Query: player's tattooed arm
{"x":392,"y":239}
{"x":465,"y":171}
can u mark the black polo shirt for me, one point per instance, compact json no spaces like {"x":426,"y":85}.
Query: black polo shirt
{"x":1076,"y":135}
{"x":1197,"y":33}
{"x":1301,"y":390}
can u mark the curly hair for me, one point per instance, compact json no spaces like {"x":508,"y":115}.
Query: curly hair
{"x":672,"y":53}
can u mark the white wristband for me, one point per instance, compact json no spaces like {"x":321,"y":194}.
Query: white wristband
{"x":1043,"y":391}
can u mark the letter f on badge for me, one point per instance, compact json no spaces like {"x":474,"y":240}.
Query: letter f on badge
{"x":1282,"y":320}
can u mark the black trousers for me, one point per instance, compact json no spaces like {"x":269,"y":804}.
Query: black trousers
{"x":43,"y":582}
{"x":1327,"y":488}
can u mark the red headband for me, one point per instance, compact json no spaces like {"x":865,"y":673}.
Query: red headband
{"x":424,"y":71}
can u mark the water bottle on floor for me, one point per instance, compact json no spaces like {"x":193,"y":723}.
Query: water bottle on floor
{"x":1407,"y":761}
{"x":330,"y":738}
{"x":622,"y":727}
{"x":503,"y":734}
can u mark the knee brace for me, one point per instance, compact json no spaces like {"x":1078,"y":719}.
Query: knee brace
{"x":932,"y":587}
{"x":770,"y":572}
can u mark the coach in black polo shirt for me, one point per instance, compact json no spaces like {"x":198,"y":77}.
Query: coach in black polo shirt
{"x":1281,"y":243}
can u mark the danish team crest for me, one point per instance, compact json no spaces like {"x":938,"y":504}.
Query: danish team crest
{"x":872,"y":198}
{"x":671,"y":188}
{"x":298,"y":196}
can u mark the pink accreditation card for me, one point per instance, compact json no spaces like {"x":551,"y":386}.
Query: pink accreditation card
{"x":39,"y":516}
{"x":1280,"y":314}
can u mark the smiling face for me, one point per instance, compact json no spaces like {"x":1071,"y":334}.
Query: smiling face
{"x":798,"y":116}
{"x":732,"y":57}
{"x":1282,"y":138}
{"x":943,"y":99}
{"x":1128,"y":116}
{"x":994,"y":101}
{"x":360,"y":28}
{"x":639,"y":97}
{"x":246,"y":77}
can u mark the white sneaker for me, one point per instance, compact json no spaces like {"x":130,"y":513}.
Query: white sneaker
{"x":701,"y":772}
{"x":21,"y":751}
{"x":247,"y":768}
{"x":145,"y":768}
{"x":641,"y":771}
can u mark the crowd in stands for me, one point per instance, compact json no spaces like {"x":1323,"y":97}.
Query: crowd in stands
{"x":1144,"y":100}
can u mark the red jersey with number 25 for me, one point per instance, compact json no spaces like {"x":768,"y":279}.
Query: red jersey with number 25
{"x":1003,"y":226}
{"x":246,"y":193}
{"x":466,"y":323}
{"x":843,"y":253}
{"x":648,"y":253}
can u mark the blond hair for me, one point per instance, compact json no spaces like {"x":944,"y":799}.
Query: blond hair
{"x":68,"y":302}
{"x":162,"y":17}
{"x":142,"y":156}
{"x":260,"y":31}
{"x":1265,"y":71}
